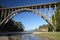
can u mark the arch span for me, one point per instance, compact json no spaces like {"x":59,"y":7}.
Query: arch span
{"x":30,"y":10}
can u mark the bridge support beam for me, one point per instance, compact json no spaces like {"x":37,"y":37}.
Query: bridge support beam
{"x":5,"y":13}
{"x":2,"y":15}
{"x":49,"y":13}
{"x":44,"y":10}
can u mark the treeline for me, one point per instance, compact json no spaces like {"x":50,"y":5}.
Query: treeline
{"x":46,"y":28}
{"x":11,"y":25}
{"x":55,"y":20}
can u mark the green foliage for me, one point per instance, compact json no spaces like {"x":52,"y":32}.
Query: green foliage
{"x":49,"y":29}
{"x":57,"y":14}
{"x":14,"y":26}
{"x":19,"y":26}
{"x":43,"y":27}
{"x":11,"y":25}
{"x":56,"y":18}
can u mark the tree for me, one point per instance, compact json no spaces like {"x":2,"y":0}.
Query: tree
{"x":11,"y":25}
{"x":56,"y":18}
{"x":19,"y":26}
{"x":44,"y":28}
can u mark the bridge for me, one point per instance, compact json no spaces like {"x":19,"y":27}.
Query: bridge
{"x":11,"y":12}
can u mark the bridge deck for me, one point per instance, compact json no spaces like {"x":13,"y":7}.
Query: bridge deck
{"x":34,"y":6}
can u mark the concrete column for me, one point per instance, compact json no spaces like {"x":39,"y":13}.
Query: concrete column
{"x":54,"y":16}
{"x":40,"y":9}
{"x":32,"y":9}
{"x":12,"y":10}
{"x":36,"y":10}
{"x":44,"y":10}
{"x":36,"y":7}
{"x":2,"y":15}
{"x":52,"y":12}
{"x":15,"y":9}
{"x":49,"y":12}
{"x":5,"y":13}
{"x":8,"y":11}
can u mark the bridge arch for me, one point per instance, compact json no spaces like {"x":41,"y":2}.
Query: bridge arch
{"x":12,"y":14}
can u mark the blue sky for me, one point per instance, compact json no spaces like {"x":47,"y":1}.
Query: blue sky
{"x":29,"y":20}
{"x":10,"y":3}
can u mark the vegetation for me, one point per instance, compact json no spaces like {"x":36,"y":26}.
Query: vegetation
{"x":14,"y":26}
{"x":11,"y":25}
{"x":50,"y":35}
{"x":56,"y":18}
{"x":43,"y":28}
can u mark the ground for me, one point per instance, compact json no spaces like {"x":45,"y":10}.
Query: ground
{"x":49,"y":35}
{"x":44,"y":35}
{"x":9,"y":37}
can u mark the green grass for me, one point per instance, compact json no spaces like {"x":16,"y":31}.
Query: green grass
{"x":51,"y":35}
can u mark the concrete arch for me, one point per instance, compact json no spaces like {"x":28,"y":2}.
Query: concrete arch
{"x":30,"y":10}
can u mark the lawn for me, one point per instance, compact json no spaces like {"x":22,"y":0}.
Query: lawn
{"x":50,"y":35}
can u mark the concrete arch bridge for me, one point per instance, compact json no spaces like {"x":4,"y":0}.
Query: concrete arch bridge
{"x":11,"y":12}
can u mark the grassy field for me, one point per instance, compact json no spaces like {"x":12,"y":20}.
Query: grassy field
{"x":50,"y":35}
